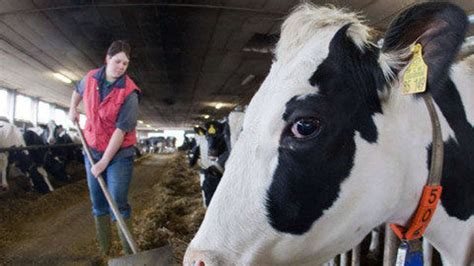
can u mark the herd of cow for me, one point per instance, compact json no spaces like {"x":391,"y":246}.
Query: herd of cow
{"x":43,"y":160}
{"x":155,"y":145}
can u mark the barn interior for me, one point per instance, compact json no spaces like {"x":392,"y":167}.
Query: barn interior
{"x":194,"y":60}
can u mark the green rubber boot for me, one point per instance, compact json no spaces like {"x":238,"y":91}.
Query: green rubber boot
{"x":103,"y":233}
{"x":125,"y":246}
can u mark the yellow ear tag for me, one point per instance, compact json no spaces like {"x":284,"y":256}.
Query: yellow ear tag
{"x":415,"y":77}
{"x":211,"y":130}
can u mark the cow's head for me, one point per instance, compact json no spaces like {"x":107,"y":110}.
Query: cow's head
{"x":315,"y":169}
{"x":52,"y":132}
{"x":56,"y":166}
{"x":216,"y":138}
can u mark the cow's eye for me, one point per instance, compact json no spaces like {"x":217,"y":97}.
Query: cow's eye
{"x":305,"y":127}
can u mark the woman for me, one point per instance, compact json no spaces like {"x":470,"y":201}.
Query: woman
{"x":111,"y":104}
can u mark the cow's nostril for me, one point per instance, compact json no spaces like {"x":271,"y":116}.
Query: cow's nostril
{"x":199,"y":263}
{"x":202,"y":258}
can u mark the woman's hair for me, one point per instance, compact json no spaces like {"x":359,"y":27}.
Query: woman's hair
{"x":117,"y":47}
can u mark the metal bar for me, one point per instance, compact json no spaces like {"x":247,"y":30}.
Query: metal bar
{"x":355,"y":259}
{"x":427,"y":253}
{"x":344,"y":261}
{"x":201,"y":6}
{"x":109,"y":198}
{"x":37,"y":147}
{"x":375,"y":245}
{"x":391,"y":243}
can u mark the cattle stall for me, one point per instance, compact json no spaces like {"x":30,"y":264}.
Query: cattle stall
{"x":260,"y":132}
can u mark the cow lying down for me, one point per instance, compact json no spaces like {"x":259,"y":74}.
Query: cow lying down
{"x":330,"y":147}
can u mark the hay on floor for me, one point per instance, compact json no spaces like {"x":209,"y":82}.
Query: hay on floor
{"x":177,"y":210}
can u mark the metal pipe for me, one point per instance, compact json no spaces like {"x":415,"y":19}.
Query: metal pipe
{"x":344,"y":259}
{"x":391,"y":243}
{"x":427,"y":253}
{"x":201,"y":6}
{"x":375,"y":245}
{"x":356,"y":256}
{"x":38,"y":147}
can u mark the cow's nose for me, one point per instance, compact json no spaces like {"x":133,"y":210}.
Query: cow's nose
{"x":200,"y":258}
{"x":198,"y":263}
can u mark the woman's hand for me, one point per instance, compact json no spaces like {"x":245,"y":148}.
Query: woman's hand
{"x":99,"y":167}
{"x":73,"y":115}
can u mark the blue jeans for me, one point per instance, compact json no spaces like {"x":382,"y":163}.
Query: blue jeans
{"x":117,"y":177}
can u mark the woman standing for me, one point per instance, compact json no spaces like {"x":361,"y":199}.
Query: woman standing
{"x":111,"y":103}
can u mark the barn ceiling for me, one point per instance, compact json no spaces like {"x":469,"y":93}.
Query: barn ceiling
{"x":187,"y":55}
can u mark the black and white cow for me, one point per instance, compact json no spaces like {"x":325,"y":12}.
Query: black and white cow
{"x":48,"y":158}
{"x":213,"y":146}
{"x":199,"y":151}
{"x":220,"y":136}
{"x":331,"y":149}
{"x":217,"y":136}
{"x":220,"y":143}
{"x":212,"y":150}
{"x":10,"y":136}
{"x":70,"y":153}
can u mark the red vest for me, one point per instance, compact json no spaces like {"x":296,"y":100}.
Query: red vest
{"x":101,"y":116}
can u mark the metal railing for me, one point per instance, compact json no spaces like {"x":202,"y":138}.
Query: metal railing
{"x":38,"y":147}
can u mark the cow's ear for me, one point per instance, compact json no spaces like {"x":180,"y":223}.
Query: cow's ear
{"x":440,"y":29}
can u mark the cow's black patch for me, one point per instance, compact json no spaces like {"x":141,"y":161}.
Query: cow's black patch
{"x":309,"y":172}
{"x":458,"y":171}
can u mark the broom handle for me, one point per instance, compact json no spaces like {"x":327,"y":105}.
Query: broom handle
{"x":109,"y":198}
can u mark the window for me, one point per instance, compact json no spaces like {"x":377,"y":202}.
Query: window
{"x":23,"y":108}
{"x":68,"y":123}
{"x":178,"y":134}
{"x":60,"y":117}
{"x":44,"y":113}
{"x":3,"y":103}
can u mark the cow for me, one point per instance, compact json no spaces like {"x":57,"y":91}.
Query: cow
{"x":70,"y":153}
{"x":10,"y":136}
{"x":200,"y":152}
{"x":48,"y":158}
{"x":216,"y":140}
{"x":221,"y":136}
{"x":188,"y":144}
{"x":217,"y":136}
{"x":156,"y":144}
{"x":330,"y":147}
